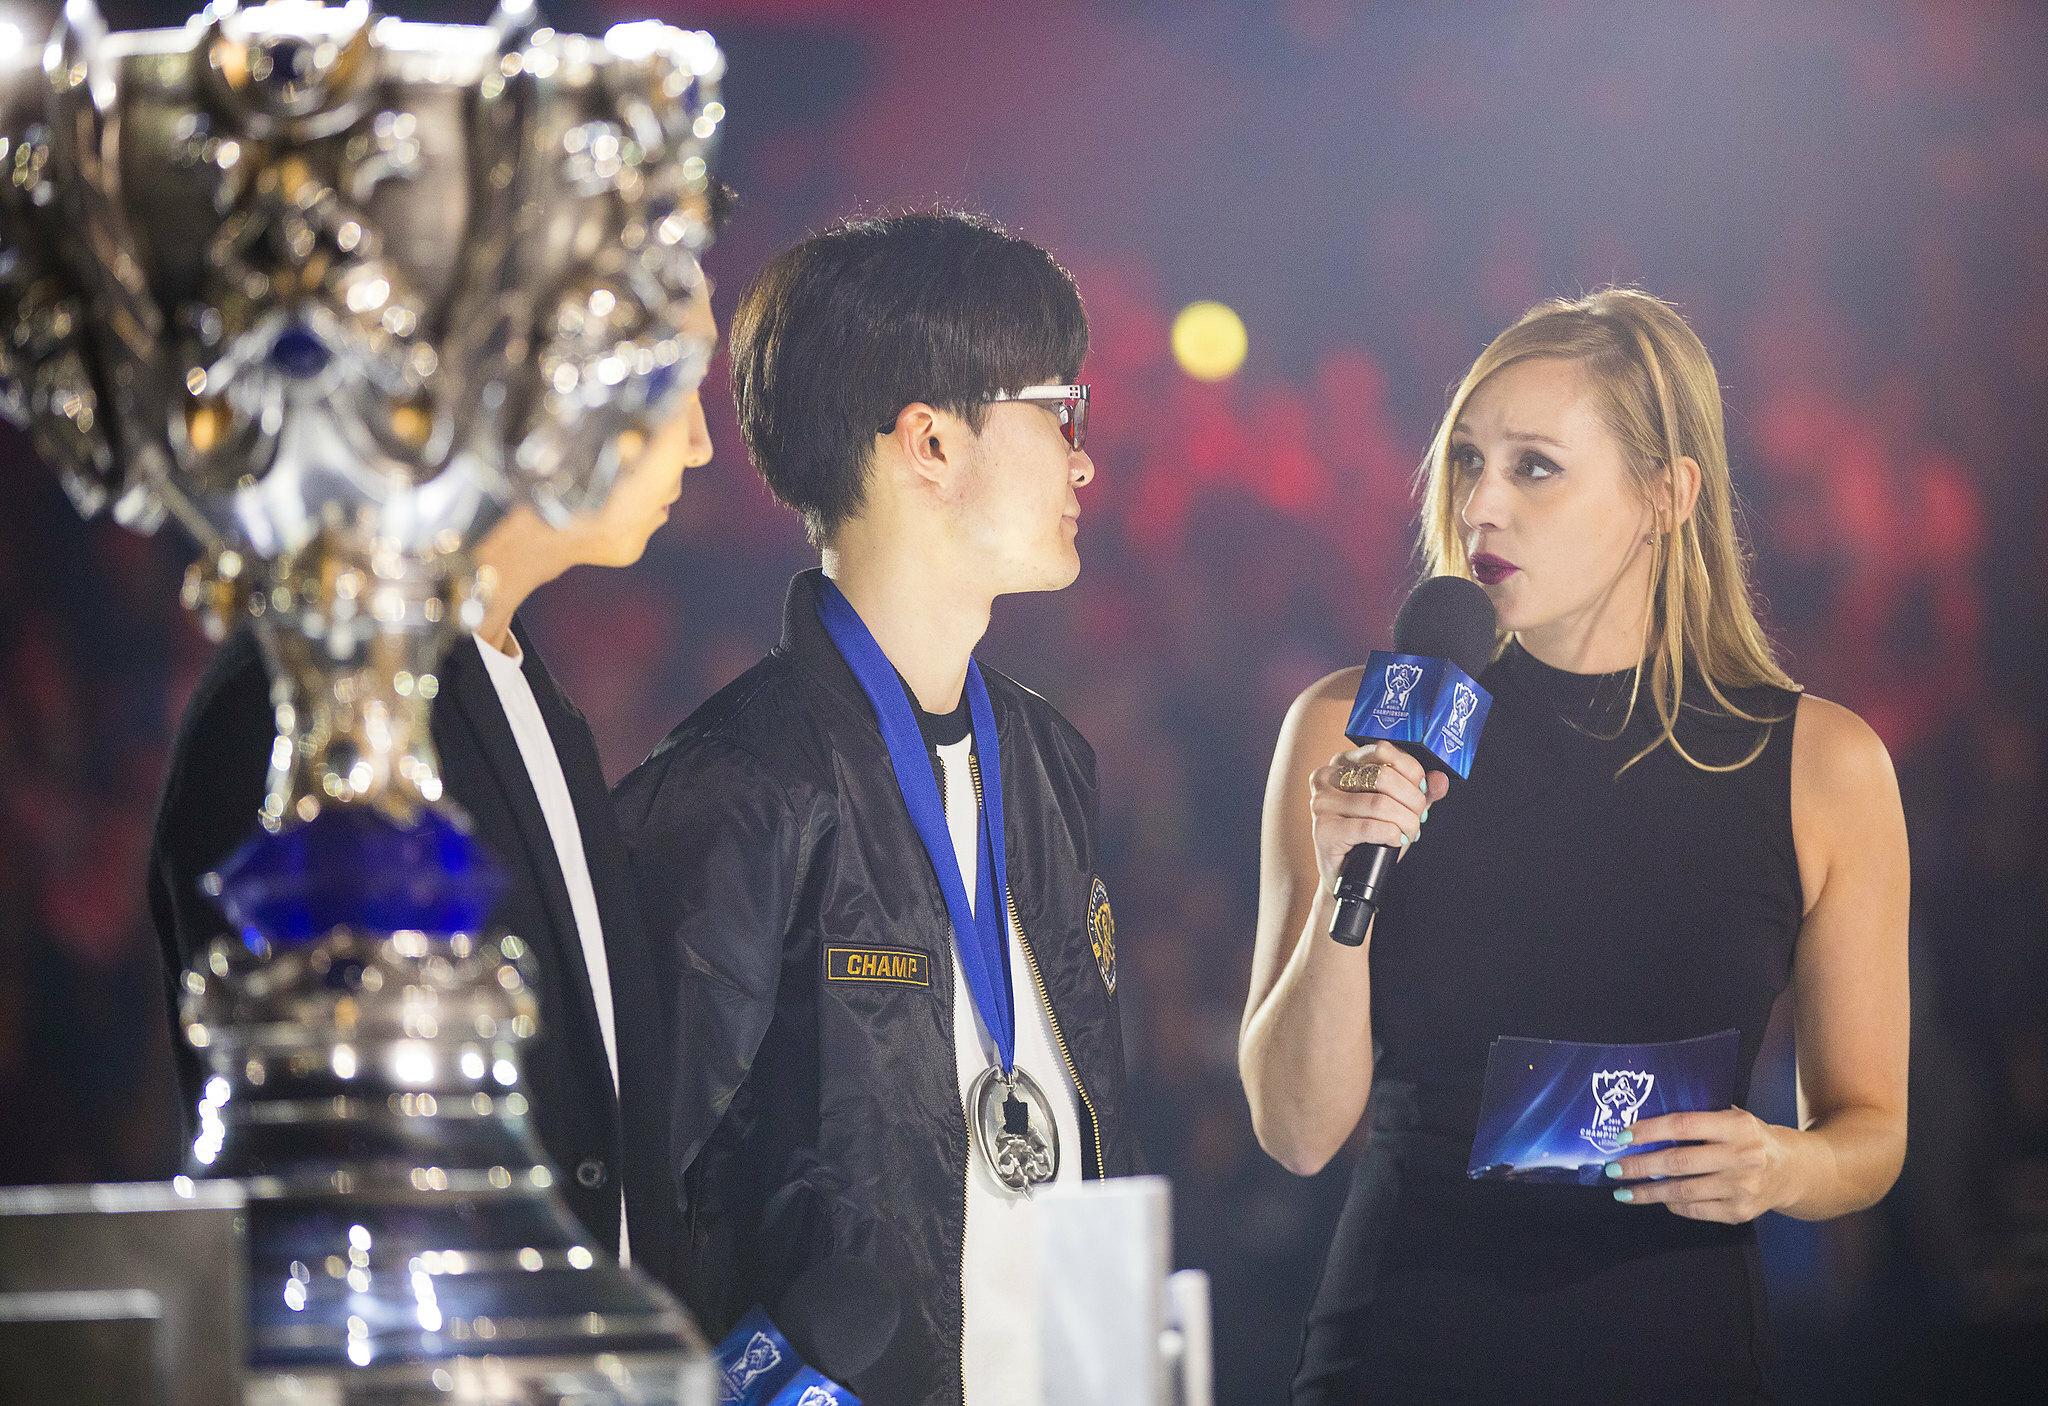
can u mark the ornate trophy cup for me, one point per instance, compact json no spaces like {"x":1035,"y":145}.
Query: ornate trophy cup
{"x":333,"y":290}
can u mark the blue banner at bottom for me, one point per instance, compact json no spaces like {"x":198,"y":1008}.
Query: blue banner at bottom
{"x":1554,"y":1110}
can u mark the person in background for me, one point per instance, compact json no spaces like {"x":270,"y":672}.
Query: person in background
{"x":519,"y":760}
{"x":1659,"y":834}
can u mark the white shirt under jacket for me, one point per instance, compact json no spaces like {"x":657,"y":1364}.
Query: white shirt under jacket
{"x":551,"y":787}
{"x":999,"y":1261}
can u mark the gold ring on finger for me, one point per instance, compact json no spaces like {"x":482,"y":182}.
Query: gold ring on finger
{"x":1360,"y":777}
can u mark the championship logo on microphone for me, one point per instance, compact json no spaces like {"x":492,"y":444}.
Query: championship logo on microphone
{"x":761,"y":1356}
{"x":1463,"y":701}
{"x":1618,"y":1094}
{"x":1392,"y":710}
{"x":817,"y":1396}
{"x":1102,"y":933}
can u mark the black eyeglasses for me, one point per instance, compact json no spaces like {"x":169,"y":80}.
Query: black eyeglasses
{"x":1070,"y":402}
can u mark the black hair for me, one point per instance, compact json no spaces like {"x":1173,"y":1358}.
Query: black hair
{"x":840,"y":332}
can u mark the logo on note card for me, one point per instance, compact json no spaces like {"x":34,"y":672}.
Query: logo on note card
{"x":1618,"y":1095}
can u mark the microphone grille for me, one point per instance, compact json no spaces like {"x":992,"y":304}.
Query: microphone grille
{"x":1448,"y":617}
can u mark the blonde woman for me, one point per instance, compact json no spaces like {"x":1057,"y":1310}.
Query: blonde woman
{"x":1660,"y":834}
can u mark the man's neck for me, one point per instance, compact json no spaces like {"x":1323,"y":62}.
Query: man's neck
{"x":522,"y":556}
{"x":926,"y":622}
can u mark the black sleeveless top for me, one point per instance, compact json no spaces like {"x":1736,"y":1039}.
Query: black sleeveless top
{"x":1551,"y":897}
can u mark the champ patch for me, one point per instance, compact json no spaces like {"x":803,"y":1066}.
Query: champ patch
{"x":1102,"y":933}
{"x":892,"y":965}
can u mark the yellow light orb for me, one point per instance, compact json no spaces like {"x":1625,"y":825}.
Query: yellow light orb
{"x":1209,"y":341}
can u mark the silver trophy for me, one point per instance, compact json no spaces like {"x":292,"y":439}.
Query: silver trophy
{"x":332,"y":290}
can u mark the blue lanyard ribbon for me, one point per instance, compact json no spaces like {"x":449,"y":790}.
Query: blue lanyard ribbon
{"x":978,"y":932}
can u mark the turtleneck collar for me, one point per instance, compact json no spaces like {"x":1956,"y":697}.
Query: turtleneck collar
{"x":1579,"y":698}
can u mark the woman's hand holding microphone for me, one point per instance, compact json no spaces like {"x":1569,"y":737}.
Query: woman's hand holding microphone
{"x":1373,"y":795}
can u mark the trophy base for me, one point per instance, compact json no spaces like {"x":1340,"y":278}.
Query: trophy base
{"x":407,"y":1240}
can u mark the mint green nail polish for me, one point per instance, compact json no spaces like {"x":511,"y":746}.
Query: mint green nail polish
{"x":1425,"y":812}
{"x":1624,"y":1194}
{"x":1626,"y":1137}
{"x":1614,"y":1169}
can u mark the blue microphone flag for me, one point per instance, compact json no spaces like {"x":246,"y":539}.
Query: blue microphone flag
{"x":1422,"y":703}
{"x":758,"y":1367}
{"x":809,"y":1387}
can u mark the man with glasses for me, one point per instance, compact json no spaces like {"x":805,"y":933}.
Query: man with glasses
{"x":869,"y":865}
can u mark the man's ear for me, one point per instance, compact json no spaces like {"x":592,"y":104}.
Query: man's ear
{"x":930,"y":442}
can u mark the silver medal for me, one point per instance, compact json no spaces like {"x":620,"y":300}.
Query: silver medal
{"x":1014,"y":1128}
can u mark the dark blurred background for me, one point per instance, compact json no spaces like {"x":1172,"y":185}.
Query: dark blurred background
{"x":1849,"y":200}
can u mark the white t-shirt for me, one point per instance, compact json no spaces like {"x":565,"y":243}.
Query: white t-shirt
{"x":544,"y":769}
{"x":999,"y":1265}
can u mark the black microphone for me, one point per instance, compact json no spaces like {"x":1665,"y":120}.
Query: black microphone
{"x":840,"y":1315}
{"x":1424,"y":697}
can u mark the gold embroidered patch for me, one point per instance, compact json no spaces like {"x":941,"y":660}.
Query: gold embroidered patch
{"x":1102,"y":933}
{"x":886,"y":964}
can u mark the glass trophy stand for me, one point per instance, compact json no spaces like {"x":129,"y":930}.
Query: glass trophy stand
{"x":404,"y":1240}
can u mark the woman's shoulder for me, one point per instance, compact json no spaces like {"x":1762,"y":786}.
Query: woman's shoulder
{"x":1845,"y":797}
{"x":1837,"y":756}
{"x":1336,"y":690}
{"x":1314,"y":726}
{"x":1726,"y":727}
{"x":1725,"y":702}
{"x":1324,"y":706}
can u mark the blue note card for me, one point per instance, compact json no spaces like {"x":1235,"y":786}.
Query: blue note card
{"x":1554,"y":1110}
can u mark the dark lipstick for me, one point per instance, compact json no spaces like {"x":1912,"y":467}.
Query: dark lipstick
{"x":1492,"y":570}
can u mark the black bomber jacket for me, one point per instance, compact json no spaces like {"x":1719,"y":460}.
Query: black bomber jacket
{"x":804,"y":949}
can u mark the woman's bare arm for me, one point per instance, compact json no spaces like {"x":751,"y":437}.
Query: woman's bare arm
{"x":1850,"y":1008}
{"x":1849,"y":981}
{"x":1305,"y":1046}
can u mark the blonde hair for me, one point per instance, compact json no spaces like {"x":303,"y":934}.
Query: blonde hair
{"x":1660,"y":399}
